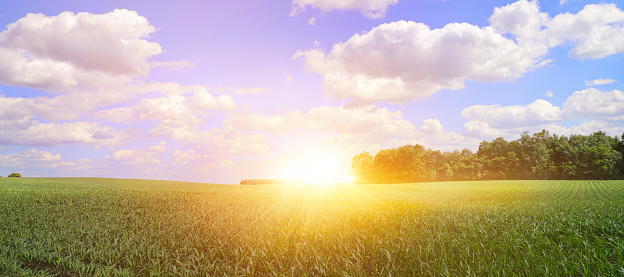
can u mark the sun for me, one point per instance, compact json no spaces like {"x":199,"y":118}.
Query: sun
{"x":315,"y":168}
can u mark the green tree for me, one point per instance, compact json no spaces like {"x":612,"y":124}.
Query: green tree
{"x":362,"y":167}
{"x":536,"y":156}
{"x":15,"y":175}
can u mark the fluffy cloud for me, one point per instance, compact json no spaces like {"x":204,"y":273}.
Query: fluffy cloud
{"x":432,"y":134}
{"x":481,"y":130}
{"x":591,"y":103}
{"x":71,"y":106}
{"x":596,"y":31}
{"x":31,"y":155}
{"x":173,"y":109}
{"x":478,"y":129}
{"x":199,"y":162}
{"x":76,"y":50}
{"x":170,"y":110}
{"x":32,"y":160}
{"x":228,"y":141}
{"x":590,"y":126}
{"x":536,"y":113}
{"x":378,"y":123}
{"x":28,"y":131}
{"x":522,"y":18}
{"x":223,"y":142}
{"x":139,"y":157}
{"x":401,"y":61}
{"x":431,"y":126}
{"x":493,"y":121}
{"x":202,"y":99}
{"x":369,"y":8}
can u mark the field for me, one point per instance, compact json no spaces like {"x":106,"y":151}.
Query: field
{"x":111,"y":227}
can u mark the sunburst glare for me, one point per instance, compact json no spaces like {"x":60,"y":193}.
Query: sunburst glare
{"x":315,"y":168}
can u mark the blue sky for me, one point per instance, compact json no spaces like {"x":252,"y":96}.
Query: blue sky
{"x":219,"y":91}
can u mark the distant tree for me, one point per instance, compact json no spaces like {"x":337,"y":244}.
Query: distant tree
{"x":362,"y":167}
{"x":15,"y":175}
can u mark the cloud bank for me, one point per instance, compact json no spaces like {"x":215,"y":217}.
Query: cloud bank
{"x":402,"y":61}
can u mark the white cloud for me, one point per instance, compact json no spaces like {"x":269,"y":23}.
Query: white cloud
{"x":369,"y":8}
{"x":598,"y":82}
{"x":591,"y":103}
{"x":401,"y":61}
{"x":34,"y":160}
{"x":589,"y":127}
{"x":28,"y":131}
{"x":431,"y":126}
{"x":377,"y":124}
{"x":34,"y":156}
{"x":549,"y":94}
{"x":595,"y":32}
{"x":202,"y":99}
{"x":76,"y":50}
{"x":478,"y":129}
{"x":432,"y":135}
{"x":312,"y":21}
{"x":228,"y":141}
{"x":170,"y":110}
{"x":139,"y":157}
{"x":522,"y":18}
{"x":223,"y":142}
{"x":199,"y":162}
{"x":494,"y":121}
{"x":289,"y":122}
{"x":173,"y":109}
{"x":536,"y":113}
{"x":481,"y":130}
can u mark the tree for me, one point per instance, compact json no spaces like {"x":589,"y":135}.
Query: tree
{"x":538,"y":156}
{"x":386,"y":166}
{"x":362,"y":167}
{"x":15,"y":175}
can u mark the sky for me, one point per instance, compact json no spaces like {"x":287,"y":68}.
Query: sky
{"x":220,"y":91}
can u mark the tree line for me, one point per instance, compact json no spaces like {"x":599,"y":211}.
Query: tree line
{"x":537,"y":156}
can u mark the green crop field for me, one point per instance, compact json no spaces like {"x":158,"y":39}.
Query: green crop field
{"x":111,"y":227}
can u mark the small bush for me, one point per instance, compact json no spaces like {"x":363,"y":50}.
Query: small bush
{"x":15,"y":175}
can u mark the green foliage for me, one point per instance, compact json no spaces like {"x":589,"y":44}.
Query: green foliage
{"x":111,"y":227}
{"x":362,"y":166}
{"x":15,"y":175}
{"x":538,"y":156}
